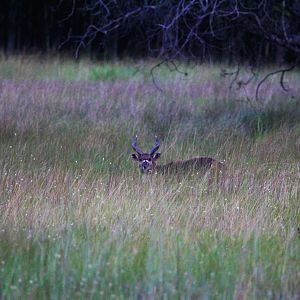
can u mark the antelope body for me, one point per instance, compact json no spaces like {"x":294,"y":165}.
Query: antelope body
{"x":198,"y":165}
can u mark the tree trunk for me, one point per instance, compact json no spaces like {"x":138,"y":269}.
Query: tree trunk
{"x":11,"y":27}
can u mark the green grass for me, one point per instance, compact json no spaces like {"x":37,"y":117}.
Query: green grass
{"x":87,"y":264}
{"x":77,"y":221}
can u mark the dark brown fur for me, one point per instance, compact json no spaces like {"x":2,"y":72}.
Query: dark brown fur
{"x":194,"y":166}
{"x":198,"y":166}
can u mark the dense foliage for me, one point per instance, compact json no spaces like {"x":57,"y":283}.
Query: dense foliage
{"x":255,"y":31}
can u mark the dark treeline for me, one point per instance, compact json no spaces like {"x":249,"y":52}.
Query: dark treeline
{"x":256,"y":31}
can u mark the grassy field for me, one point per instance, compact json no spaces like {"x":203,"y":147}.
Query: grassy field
{"x":77,"y":221}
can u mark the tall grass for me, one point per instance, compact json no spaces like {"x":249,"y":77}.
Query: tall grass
{"x":77,"y":221}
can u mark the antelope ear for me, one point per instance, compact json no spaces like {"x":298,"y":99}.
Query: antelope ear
{"x":134,"y":157}
{"x":156,"y":156}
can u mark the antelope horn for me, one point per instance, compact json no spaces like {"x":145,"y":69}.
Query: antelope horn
{"x":135,"y":146}
{"x":156,"y":147}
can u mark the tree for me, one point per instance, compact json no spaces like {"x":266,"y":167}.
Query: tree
{"x":235,"y":30}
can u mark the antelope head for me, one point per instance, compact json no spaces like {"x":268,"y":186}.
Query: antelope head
{"x":146,"y":161}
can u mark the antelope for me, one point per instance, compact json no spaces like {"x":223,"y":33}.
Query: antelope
{"x":198,"y":165}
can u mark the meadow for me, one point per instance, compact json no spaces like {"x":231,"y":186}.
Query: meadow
{"x":77,"y":221}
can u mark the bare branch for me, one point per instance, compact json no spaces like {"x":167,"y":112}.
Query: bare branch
{"x":282,"y":71}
